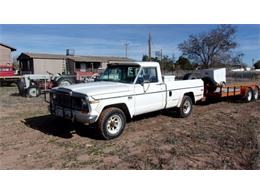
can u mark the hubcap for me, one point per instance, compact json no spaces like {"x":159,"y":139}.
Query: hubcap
{"x":114,"y":124}
{"x":64,"y":83}
{"x":186,"y":107}
{"x":256,"y":94}
{"x":33,"y":92}
{"x":249,"y":97}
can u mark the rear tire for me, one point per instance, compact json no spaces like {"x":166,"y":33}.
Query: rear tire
{"x":249,"y":95}
{"x":62,"y":82}
{"x":256,"y":94}
{"x":111,"y":123}
{"x":186,"y":107}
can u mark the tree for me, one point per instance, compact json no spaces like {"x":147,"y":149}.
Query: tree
{"x":209,"y":48}
{"x":145,"y":58}
{"x":257,"y":65}
{"x":167,"y":63}
{"x":184,"y":63}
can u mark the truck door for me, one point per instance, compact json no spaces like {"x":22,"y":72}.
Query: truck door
{"x":149,"y":92}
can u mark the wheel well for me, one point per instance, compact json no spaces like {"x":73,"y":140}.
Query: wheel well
{"x":121,"y":106}
{"x":191,"y":95}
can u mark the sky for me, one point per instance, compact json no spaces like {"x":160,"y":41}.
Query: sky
{"x":109,"y":40}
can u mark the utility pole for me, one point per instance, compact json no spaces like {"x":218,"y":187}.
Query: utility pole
{"x":149,"y":48}
{"x":161,"y":54}
{"x":126,"y":45}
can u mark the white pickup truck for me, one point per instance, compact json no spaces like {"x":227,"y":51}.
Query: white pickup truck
{"x":124,"y":90}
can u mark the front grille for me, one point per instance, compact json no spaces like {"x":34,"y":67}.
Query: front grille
{"x":65,"y":100}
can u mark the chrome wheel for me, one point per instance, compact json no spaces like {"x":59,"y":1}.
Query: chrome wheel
{"x":186,"y":107}
{"x":249,"y":95}
{"x":114,"y":124}
{"x":33,"y":92}
{"x":256,"y":94}
{"x":64,"y":83}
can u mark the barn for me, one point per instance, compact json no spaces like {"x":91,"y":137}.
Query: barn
{"x":5,"y":54}
{"x":39,"y":63}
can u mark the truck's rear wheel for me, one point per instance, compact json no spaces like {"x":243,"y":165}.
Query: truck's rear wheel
{"x":186,"y":107}
{"x":111,"y":123}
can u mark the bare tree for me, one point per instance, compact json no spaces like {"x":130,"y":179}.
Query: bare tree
{"x":209,"y":48}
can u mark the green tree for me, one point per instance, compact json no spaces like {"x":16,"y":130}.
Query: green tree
{"x":257,"y":65}
{"x":145,"y":58}
{"x":166,"y":63}
{"x":211,"y":47}
{"x":184,"y":63}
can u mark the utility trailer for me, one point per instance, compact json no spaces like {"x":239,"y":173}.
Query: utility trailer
{"x":215,"y":87}
{"x":244,"y":91}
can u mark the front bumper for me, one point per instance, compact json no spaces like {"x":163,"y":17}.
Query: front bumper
{"x":73,"y":115}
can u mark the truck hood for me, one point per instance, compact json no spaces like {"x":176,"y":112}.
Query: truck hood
{"x":100,"y":89}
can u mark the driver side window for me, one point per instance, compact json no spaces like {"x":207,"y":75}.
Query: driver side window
{"x":148,"y":75}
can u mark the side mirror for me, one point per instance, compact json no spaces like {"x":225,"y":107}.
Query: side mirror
{"x":140,"y":81}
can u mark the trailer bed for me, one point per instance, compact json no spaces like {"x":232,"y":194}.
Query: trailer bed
{"x":231,"y":90}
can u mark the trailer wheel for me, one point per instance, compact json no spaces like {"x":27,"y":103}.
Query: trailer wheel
{"x":256,"y":93}
{"x":249,"y":95}
{"x":111,"y":123}
{"x":186,"y":107}
{"x":33,"y":91}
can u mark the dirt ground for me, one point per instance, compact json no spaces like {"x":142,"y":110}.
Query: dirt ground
{"x":220,"y":135}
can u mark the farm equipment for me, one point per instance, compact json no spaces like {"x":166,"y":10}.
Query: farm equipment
{"x":33,"y":85}
{"x":8,"y":75}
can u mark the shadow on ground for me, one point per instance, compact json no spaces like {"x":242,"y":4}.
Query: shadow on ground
{"x":61,"y":128}
{"x":15,"y":94}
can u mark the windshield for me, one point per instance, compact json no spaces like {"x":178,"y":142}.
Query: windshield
{"x":120,"y":73}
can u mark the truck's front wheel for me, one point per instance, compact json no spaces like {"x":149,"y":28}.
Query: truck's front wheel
{"x":186,"y":107}
{"x":111,"y":123}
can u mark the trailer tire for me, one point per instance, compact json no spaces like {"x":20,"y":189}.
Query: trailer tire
{"x":111,"y":123}
{"x":33,"y":91}
{"x":249,"y":95}
{"x":186,"y":107}
{"x":256,"y":94}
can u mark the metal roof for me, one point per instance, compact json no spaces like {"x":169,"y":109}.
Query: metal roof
{"x":12,"y":48}
{"x":75,"y":58}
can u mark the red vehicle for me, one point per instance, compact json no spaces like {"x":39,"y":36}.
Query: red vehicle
{"x":6,"y":71}
{"x":7,"y":75}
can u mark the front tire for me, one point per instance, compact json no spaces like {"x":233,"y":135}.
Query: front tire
{"x":186,"y":107}
{"x":111,"y":123}
{"x":33,"y":91}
